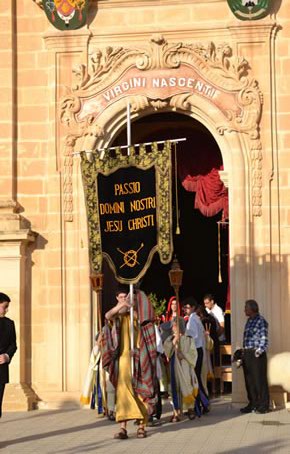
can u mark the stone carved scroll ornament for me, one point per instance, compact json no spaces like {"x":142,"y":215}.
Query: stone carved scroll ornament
{"x":215,"y":63}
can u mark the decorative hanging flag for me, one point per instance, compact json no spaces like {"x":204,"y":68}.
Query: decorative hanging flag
{"x":66,"y":14}
{"x":129,"y":210}
{"x":249,"y":9}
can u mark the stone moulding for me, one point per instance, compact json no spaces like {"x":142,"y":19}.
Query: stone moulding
{"x":237,"y":96}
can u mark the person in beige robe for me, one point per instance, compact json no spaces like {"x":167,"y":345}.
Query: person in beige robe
{"x":182,"y":354}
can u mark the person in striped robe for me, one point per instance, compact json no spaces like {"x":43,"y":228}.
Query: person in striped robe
{"x":136,"y":395}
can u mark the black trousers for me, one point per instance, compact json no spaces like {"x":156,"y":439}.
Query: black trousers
{"x":255,"y":372}
{"x":159,"y":402}
{"x":197,"y":369}
{"x":2,"y":387}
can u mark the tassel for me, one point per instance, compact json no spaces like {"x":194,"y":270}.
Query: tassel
{"x":219,"y":254}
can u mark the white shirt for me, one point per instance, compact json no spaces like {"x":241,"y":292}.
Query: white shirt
{"x":195,"y":329}
{"x":159,"y":348}
{"x":218,"y":314}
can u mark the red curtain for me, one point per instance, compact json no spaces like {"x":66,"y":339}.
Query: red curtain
{"x":202,"y":177}
{"x":199,"y":173}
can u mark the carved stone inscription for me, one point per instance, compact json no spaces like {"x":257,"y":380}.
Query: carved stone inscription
{"x":159,"y":84}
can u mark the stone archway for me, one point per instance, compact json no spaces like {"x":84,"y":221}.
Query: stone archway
{"x":202,"y":80}
{"x":205,"y":81}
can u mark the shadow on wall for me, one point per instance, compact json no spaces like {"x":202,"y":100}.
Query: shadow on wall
{"x":26,"y":323}
{"x":269,"y":287}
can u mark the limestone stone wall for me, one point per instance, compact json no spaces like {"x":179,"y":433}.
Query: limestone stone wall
{"x":44,"y":257}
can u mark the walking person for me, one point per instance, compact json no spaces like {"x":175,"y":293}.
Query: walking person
{"x":135,"y":394}
{"x":7,"y":344}
{"x":255,"y":360}
{"x":182,"y":354}
{"x":195,"y":329}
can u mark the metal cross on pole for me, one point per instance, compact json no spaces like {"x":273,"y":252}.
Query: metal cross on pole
{"x":129,"y":143}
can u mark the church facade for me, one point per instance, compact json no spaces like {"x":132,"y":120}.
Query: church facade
{"x":63,"y":92}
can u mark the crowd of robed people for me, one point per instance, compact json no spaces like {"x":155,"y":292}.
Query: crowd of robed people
{"x":172,"y":358}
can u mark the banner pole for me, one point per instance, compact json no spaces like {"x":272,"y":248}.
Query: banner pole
{"x":129,"y":140}
{"x":132,"y":327}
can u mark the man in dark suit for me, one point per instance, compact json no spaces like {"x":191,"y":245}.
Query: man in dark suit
{"x":7,"y":344}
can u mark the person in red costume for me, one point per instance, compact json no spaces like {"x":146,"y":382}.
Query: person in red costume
{"x":172,"y":309}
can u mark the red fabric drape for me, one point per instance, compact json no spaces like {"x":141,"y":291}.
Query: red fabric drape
{"x":200,"y":175}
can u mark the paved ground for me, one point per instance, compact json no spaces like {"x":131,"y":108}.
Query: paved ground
{"x":224,"y":430}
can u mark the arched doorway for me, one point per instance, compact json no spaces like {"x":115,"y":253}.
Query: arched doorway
{"x":93,"y":113}
{"x":201,"y":250}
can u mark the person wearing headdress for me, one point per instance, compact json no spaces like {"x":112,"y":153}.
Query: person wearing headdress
{"x":135,"y":395}
{"x":172,"y":309}
{"x":182,"y":354}
{"x":172,"y":312}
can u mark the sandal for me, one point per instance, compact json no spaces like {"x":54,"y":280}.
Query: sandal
{"x":174,"y":418}
{"x":191,"y":415}
{"x":111,"y":416}
{"x":122,"y":435}
{"x":141,"y":432}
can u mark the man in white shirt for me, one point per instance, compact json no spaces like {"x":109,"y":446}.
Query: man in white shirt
{"x":217,"y":312}
{"x":195,"y":329}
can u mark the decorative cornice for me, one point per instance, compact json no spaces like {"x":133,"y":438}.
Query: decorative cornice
{"x":9,"y":205}
{"x":216,"y":62}
{"x":22,"y":235}
{"x":253,"y":31}
{"x":141,"y":3}
{"x":70,"y":40}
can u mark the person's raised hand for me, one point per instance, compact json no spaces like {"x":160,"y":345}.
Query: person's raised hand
{"x":4,"y":358}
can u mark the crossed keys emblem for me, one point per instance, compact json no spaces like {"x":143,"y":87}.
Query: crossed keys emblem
{"x":130,"y":257}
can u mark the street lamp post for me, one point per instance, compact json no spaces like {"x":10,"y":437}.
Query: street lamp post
{"x":97,"y":280}
{"x":97,"y":285}
{"x":175,"y":277}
